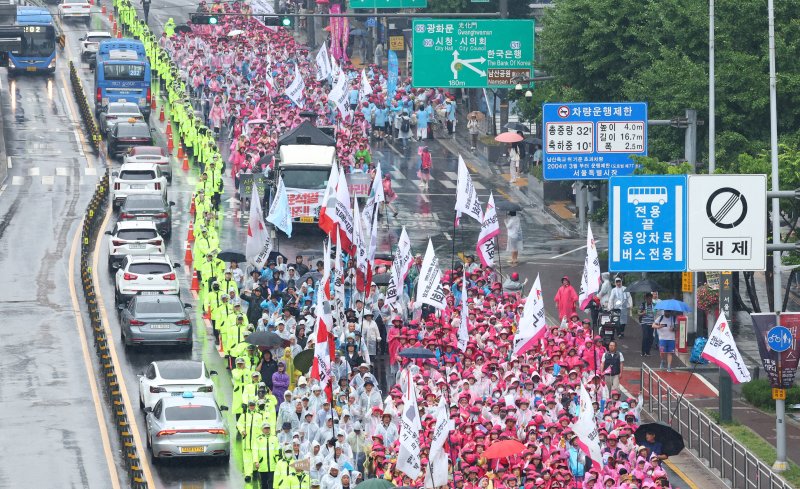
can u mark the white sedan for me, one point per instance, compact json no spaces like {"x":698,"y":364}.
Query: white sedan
{"x":171,"y":378}
{"x":147,"y":274}
{"x":75,"y":9}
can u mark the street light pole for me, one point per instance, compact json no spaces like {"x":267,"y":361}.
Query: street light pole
{"x":780,"y":405}
{"x":712,"y":158}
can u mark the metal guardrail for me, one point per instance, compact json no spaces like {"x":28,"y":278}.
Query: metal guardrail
{"x":736,"y":465}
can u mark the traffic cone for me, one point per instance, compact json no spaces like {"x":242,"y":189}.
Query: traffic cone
{"x":119,"y":34}
{"x":180,"y":151}
{"x":191,"y":209}
{"x":207,"y":313}
{"x":187,"y":257}
{"x":195,"y":282}
{"x":153,"y":103}
{"x":103,"y":10}
{"x":185,"y":163}
{"x":190,"y":233}
{"x":169,"y":126}
{"x":161,"y":119}
{"x":170,"y":146}
{"x":111,"y":17}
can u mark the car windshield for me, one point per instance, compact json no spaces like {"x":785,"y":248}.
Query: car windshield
{"x":149,"y":268}
{"x":180,"y":370}
{"x":143,"y":203}
{"x":38,"y":41}
{"x":190,"y":413}
{"x":97,"y":38}
{"x":309,"y":179}
{"x":124,"y":110}
{"x":148,"y":151}
{"x":137,"y":175}
{"x":136,"y":234}
{"x":133,"y":131}
{"x":160,"y":306}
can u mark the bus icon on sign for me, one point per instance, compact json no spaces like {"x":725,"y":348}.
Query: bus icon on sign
{"x":516,"y":44}
{"x":647,"y":195}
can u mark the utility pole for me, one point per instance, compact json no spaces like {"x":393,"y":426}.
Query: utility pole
{"x":503,"y":92}
{"x":780,"y":464}
{"x":712,"y":158}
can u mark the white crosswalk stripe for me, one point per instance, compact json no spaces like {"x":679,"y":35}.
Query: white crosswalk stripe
{"x":448,"y":184}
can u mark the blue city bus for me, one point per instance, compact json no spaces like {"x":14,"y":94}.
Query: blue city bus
{"x":122,"y":74}
{"x":35,"y":48}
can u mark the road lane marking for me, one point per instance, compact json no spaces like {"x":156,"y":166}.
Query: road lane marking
{"x":48,"y":180}
{"x":17,"y":180}
{"x":451,"y":174}
{"x":33,"y":172}
{"x":448,"y":184}
{"x":62,"y":172}
{"x":10,"y":164}
{"x":397,"y":174}
{"x":447,"y":235}
{"x":425,"y":198}
{"x":568,"y":252}
{"x":478,"y":185}
{"x":87,"y":363}
{"x":144,"y":462}
{"x":90,"y":171}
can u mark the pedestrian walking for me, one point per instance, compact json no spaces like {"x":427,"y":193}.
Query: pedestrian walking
{"x":513,"y":163}
{"x":424,"y":170}
{"x":423,"y":117}
{"x":450,"y":114}
{"x":566,"y":299}
{"x":620,"y":298}
{"x":665,"y":327}
{"x":514,"y":241}
{"x":146,"y":10}
{"x":613,"y":364}
{"x":646,"y":318}
{"x":473,"y":126}
{"x":389,"y":194}
{"x":404,"y":128}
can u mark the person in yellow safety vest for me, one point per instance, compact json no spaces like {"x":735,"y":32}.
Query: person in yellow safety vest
{"x":233,"y":331}
{"x":249,"y":427}
{"x":252,"y":356}
{"x":250,"y":390}
{"x":240,"y":377}
{"x":268,"y":452}
{"x":211,"y":269}
{"x":205,"y":245}
{"x":169,"y":27}
{"x":212,"y":300}
{"x":270,"y":410}
{"x":286,"y":476}
{"x":219,"y":315}
{"x":243,"y":330}
{"x":227,"y":282}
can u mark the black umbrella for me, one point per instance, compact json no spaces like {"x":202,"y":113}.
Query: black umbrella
{"x":644,"y":285}
{"x":273,"y":256}
{"x":417,"y":353}
{"x":303,"y":360}
{"x":382,"y":279}
{"x":506,"y":206}
{"x":317,"y":276}
{"x":231,"y":255}
{"x":533,"y":140}
{"x":267,"y":339}
{"x":516,"y":126}
{"x":671,"y":441}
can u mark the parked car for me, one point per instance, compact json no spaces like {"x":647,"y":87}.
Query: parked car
{"x":170,"y":378}
{"x":133,"y":238}
{"x":155,"y":320}
{"x":148,"y":208}
{"x":147,"y":275}
{"x":151,"y":154}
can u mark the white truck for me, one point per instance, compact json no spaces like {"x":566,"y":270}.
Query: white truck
{"x":305,"y":169}
{"x":137,"y":179}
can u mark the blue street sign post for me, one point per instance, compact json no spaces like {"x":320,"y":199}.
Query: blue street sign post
{"x":779,"y":339}
{"x":647,"y":223}
{"x":592,"y":141}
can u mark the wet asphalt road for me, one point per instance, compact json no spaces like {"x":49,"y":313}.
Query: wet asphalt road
{"x":47,"y":414}
{"x":48,"y":383}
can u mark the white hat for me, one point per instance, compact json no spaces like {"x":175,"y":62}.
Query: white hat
{"x":302,"y":380}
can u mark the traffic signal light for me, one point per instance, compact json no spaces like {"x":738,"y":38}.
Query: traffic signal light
{"x":204,"y":19}
{"x":276,"y":21}
{"x":286,"y":21}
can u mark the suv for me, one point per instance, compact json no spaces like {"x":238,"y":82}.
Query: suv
{"x":126,"y":135}
{"x":137,"y":179}
{"x":148,"y":275}
{"x":133,"y":238}
{"x":148,"y":208}
{"x":90,"y":43}
{"x":151,"y":154}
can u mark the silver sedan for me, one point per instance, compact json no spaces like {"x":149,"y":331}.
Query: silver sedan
{"x":187,"y":426}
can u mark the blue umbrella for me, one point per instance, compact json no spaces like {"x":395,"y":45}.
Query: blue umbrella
{"x":673,"y":305}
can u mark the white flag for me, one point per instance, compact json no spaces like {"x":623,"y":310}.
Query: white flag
{"x":338,"y":94}
{"x":429,"y":287}
{"x":463,"y":326}
{"x":295,"y":89}
{"x":590,"y":280}
{"x":280,"y":215}
{"x":586,"y":429}
{"x":400,"y":266}
{"x":361,"y":247}
{"x":408,"y":460}
{"x":466,"y":195}
{"x":259,"y":243}
{"x":338,"y":287}
{"x":376,"y":195}
{"x":490,"y":228}
{"x":327,"y":211}
{"x":721,"y":350}
{"x":436,"y":474}
{"x":366,"y":88}
{"x":323,"y":62}
{"x":532,"y":324}
{"x":344,"y":214}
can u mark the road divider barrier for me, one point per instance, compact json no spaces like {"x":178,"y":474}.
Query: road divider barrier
{"x":86,"y":110}
{"x":92,"y":223}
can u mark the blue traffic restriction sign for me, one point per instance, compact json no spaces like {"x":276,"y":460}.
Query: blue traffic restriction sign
{"x":779,"y":339}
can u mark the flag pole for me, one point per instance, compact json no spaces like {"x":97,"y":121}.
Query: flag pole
{"x":453,"y":260}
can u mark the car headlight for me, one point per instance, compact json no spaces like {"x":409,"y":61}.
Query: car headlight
{"x":11,"y":63}
{"x":52,"y":63}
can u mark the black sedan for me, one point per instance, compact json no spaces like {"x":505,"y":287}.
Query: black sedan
{"x":149,"y":208}
{"x":155,"y":320}
{"x":126,"y":135}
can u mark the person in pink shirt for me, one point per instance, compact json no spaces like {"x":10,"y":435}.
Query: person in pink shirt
{"x":566,"y":299}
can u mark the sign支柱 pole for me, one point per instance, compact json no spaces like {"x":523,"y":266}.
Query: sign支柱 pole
{"x":725,"y":382}
{"x":780,"y":404}
{"x":711,"y":99}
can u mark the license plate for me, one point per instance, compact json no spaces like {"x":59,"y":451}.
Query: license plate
{"x":136,"y":246}
{"x":176,"y":394}
{"x":30,"y":68}
{"x":143,"y":218}
{"x":160,"y":326}
{"x":193,"y":449}
{"x":149,"y":292}
{"x":137,"y":187}
{"x":123,"y":100}
{"x":306,"y":219}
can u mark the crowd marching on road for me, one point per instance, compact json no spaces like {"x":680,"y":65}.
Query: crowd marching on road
{"x":473,"y":365}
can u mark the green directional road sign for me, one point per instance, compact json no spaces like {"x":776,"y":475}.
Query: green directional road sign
{"x":373,"y":4}
{"x":471,"y":53}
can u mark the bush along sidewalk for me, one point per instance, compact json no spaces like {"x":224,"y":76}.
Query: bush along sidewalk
{"x":759,"y":394}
